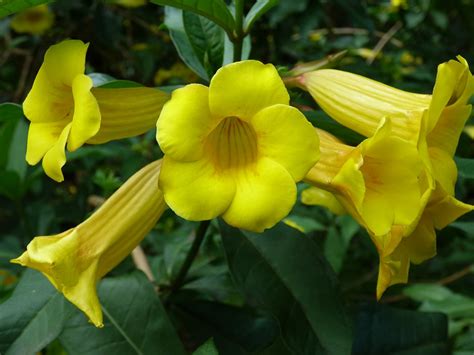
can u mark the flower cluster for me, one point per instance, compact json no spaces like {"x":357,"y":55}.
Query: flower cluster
{"x":237,"y":149}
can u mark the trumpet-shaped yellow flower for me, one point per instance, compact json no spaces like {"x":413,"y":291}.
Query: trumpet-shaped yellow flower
{"x":75,"y":260}
{"x":34,"y":20}
{"x":64,"y":108}
{"x":235,"y":149}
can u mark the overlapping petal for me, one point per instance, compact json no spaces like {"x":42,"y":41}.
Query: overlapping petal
{"x":264,"y":194}
{"x":285,"y":136}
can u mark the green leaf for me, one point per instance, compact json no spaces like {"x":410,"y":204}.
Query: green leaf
{"x":232,"y":327}
{"x":338,"y":239}
{"x":8,"y":7}
{"x":465,"y":168}
{"x":214,"y":10}
{"x":135,"y":322}
{"x":175,"y":23}
{"x":33,"y":316}
{"x":258,"y":9}
{"x":208,"y":348}
{"x":384,"y":330}
{"x":284,"y":272}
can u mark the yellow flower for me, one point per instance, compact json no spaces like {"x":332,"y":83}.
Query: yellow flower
{"x":75,"y":260}
{"x":235,"y":149}
{"x":34,"y":20}
{"x":433,"y":123}
{"x":367,"y":180}
{"x":177,"y":70}
{"x":469,"y":130}
{"x":63,"y":107}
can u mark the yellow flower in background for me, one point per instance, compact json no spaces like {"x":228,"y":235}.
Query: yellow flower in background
{"x":35,"y":20}
{"x":75,"y":260}
{"x":64,"y":108}
{"x":178,"y":70}
{"x":130,"y":3}
{"x":469,"y":130}
{"x":235,"y":149}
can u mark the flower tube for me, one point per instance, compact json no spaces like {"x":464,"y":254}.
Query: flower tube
{"x":75,"y":260}
{"x":235,"y":149}
{"x":64,"y":108}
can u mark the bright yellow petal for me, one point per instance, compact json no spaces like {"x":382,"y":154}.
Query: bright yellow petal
{"x":392,"y":271}
{"x":264,"y":195}
{"x":75,"y":260}
{"x":286,"y":136}
{"x":41,"y":138}
{"x":86,"y":118}
{"x":195,"y":190}
{"x":50,"y":98}
{"x":444,"y":169}
{"x":127,"y":112}
{"x":242,"y":89}
{"x":55,"y":158}
{"x":319,"y":197}
{"x":185,"y":122}
{"x":446,"y":210}
{"x":350,"y":183}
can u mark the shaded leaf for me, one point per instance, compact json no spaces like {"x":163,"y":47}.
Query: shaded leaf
{"x":135,"y":322}
{"x":208,"y":348}
{"x":214,"y":10}
{"x":465,"y":168}
{"x":383,"y":330}
{"x":284,"y":272}
{"x":258,"y":9}
{"x":33,"y":316}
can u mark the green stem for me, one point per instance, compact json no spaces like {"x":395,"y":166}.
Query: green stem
{"x":200,"y":234}
{"x":239,"y":30}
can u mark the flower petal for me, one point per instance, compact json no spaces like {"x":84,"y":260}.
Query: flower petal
{"x":319,"y":197}
{"x":55,"y":158}
{"x":50,"y":98}
{"x":86,"y":119}
{"x":185,"y":122}
{"x":41,"y":137}
{"x":242,"y":89}
{"x":264,"y":195}
{"x":194,"y":190}
{"x":297,"y":152}
{"x":127,"y":112}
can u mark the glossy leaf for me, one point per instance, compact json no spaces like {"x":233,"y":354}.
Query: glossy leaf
{"x":208,"y":348}
{"x":384,"y":330}
{"x":33,"y":316}
{"x":258,"y":9}
{"x":135,"y":322}
{"x":214,"y":10}
{"x":284,"y":272}
{"x":8,"y":7}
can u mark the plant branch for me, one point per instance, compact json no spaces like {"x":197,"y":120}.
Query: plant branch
{"x":239,"y":31}
{"x":192,"y":253}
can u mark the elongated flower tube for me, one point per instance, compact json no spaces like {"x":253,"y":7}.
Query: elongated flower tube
{"x":75,"y":260}
{"x":64,"y":108}
{"x":235,"y":149}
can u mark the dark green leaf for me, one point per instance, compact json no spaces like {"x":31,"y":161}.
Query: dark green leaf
{"x":10,"y":115}
{"x":208,"y":348}
{"x":232,"y":327}
{"x":384,"y":330}
{"x":135,"y":322}
{"x":465,"y":168}
{"x":258,"y":9}
{"x":174,"y":22}
{"x":33,"y":316}
{"x":338,"y":238}
{"x":214,"y":10}
{"x":284,"y":272}
{"x":8,"y":7}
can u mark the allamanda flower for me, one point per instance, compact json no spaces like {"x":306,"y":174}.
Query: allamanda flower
{"x":75,"y":260}
{"x":34,"y":20}
{"x":64,"y":108}
{"x":382,"y":183}
{"x":235,"y":149}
